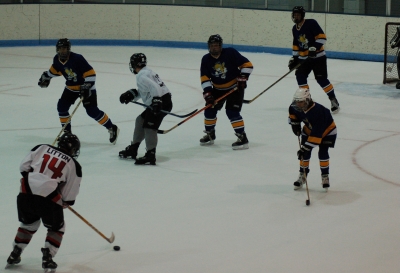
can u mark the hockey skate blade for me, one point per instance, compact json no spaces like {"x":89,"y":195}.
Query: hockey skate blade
{"x":336,"y":111}
{"x":111,"y":239}
{"x":126,"y":158}
{"x":12,"y":266}
{"x":241,"y":147}
{"x":211,"y":142}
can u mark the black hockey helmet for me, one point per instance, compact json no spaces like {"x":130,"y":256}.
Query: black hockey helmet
{"x":70,"y":144}
{"x":298,"y":9}
{"x":216,"y":38}
{"x":63,"y":42}
{"x":137,"y":60}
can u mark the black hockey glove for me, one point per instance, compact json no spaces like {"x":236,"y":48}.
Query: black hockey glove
{"x":293,"y":62}
{"x":128,"y":96}
{"x":156,"y":105}
{"x":312,"y":52}
{"x":296,"y":128}
{"x":242,"y":81}
{"x":85,"y":91}
{"x":209,"y":98}
{"x":303,"y":150}
{"x":44,"y":80}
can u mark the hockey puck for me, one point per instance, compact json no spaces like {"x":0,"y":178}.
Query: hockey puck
{"x":307,"y":203}
{"x":116,"y":248}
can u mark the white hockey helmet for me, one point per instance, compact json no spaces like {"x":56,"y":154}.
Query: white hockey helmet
{"x":302,"y":95}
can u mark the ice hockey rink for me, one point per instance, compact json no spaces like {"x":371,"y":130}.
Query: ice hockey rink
{"x":210,"y":209}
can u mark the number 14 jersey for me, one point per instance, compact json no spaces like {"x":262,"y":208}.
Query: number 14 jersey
{"x":52,"y":174}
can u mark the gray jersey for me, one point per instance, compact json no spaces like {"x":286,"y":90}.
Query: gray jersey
{"x":149,"y":85}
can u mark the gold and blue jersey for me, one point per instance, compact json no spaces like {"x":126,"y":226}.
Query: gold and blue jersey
{"x":310,"y":34}
{"x":76,"y":71}
{"x":221,"y":73}
{"x":318,"y":123}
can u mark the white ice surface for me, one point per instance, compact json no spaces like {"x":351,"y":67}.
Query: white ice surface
{"x":210,"y":209}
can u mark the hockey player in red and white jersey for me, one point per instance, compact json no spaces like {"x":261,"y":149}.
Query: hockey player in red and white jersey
{"x":80,"y":81}
{"x":308,"y":49}
{"x":154,"y":93}
{"x":50,"y":182}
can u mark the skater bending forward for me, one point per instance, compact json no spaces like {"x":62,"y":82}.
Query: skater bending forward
{"x":50,"y":183}
{"x":319,"y":130}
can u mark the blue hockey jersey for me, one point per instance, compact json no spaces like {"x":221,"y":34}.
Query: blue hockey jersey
{"x":310,"y":34}
{"x":221,"y":73}
{"x":76,"y":71}
{"x":318,"y":123}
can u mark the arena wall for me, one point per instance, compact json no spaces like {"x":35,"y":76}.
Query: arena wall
{"x":349,"y":36}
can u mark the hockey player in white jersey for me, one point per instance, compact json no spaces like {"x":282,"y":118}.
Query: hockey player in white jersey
{"x":50,"y":181}
{"x":154,"y":93}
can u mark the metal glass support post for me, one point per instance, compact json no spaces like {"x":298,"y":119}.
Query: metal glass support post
{"x":388,"y":7}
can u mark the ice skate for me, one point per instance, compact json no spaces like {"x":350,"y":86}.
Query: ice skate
{"x":334,"y":105}
{"x":325,"y":181}
{"x":130,"y":151}
{"x":15,"y":257}
{"x":114,"y":132}
{"x":48,"y":264}
{"x":208,"y":139}
{"x":241,"y":143}
{"x":298,"y":184}
{"x":148,"y":159}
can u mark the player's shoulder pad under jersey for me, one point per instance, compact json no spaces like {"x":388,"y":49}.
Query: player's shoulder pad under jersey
{"x":38,"y":146}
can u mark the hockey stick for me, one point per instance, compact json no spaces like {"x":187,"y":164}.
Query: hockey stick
{"x":112,"y":237}
{"x":68,"y":121}
{"x":201,"y":110}
{"x":166,"y":112}
{"x":290,"y":71}
{"x":305,"y":176}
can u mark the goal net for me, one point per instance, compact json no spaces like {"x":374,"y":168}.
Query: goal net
{"x":392,"y":46}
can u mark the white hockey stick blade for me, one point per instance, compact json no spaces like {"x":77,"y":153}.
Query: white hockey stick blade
{"x":112,"y":238}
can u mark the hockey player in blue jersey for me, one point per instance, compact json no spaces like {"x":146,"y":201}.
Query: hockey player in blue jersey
{"x":223,"y":69}
{"x":80,"y":82}
{"x":308,"y":44}
{"x":319,"y":130}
